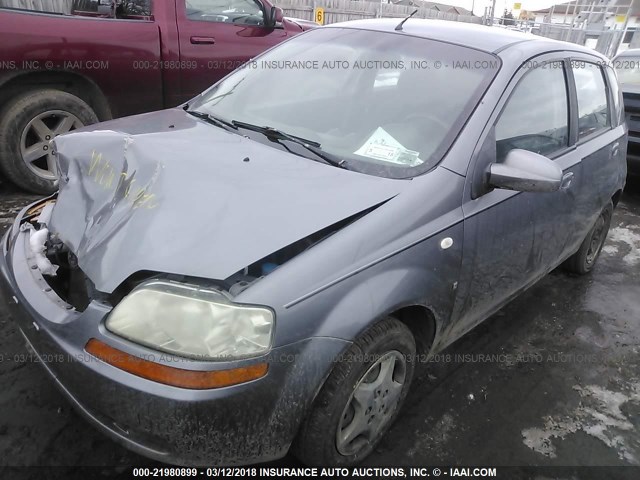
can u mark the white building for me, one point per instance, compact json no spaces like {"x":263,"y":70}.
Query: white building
{"x":613,"y":16}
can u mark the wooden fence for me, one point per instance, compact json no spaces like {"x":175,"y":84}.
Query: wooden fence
{"x":335,"y":10}
{"x":343,"y":10}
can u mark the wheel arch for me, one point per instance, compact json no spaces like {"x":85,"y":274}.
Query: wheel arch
{"x":616,"y":198}
{"x":421,"y":321}
{"x":69,"y":82}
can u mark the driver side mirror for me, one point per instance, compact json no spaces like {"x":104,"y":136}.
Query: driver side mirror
{"x":275,"y":16}
{"x":525,"y":171}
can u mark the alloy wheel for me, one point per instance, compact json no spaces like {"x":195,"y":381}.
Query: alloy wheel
{"x":34,"y":144}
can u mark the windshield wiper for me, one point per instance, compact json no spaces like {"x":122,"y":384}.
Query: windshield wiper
{"x":217,"y":121}
{"x":278,"y":135}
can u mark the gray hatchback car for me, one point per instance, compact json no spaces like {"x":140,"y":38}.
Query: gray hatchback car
{"x":264,"y":268}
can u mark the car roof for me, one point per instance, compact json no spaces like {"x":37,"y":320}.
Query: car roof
{"x":632,"y":52}
{"x":480,"y":37}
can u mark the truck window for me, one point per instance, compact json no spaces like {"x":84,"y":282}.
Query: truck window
{"x":134,"y":8}
{"x":124,"y":8}
{"x":248,"y":12}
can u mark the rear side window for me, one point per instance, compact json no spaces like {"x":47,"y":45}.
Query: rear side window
{"x":593,"y":108}
{"x":536,"y":115}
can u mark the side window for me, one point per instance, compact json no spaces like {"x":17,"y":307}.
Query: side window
{"x":593,"y":109}
{"x":134,"y":8}
{"x":536,"y":115}
{"x":124,"y":8}
{"x":247,"y":12}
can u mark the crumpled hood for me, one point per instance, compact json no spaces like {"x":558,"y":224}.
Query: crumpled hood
{"x":167,"y":192}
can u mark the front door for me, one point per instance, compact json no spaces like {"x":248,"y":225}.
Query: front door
{"x":218,"y":36}
{"x":512,"y":238}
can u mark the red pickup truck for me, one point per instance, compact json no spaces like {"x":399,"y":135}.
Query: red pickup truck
{"x":109,"y":59}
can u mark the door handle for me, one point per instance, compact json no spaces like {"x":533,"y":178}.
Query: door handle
{"x":203,"y":40}
{"x":567,"y":178}
{"x":615,"y":149}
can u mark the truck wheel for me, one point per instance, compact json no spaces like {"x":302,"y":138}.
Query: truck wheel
{"x":585,"y":258}
{"x":360,"y":399}
{"x":27,"y":124}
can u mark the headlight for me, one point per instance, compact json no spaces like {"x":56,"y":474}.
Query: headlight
{"x":192,"y":322}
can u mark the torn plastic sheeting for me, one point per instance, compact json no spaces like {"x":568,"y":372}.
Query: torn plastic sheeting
{"x":37,"y":239}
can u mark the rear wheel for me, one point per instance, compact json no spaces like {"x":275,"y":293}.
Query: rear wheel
{"x":360,"y":399}
{"x":585,"y":258}
{"x":27,"y":124}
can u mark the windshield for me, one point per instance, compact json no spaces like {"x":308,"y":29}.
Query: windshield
{"x":628,"y":70}
{"x":387,"y":104}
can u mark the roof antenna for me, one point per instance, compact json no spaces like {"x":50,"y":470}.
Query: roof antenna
{"x":399,"y":27}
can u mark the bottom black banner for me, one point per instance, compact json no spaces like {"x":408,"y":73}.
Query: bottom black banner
{"x":411,"y":472}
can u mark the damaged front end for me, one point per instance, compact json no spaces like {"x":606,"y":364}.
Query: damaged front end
{"x":187,"y":203}
{"x":167,"y":406}
{"x":137,"y":273}
{"x":59,"y":267}
{"x":56,"y":263}
{"x":136,"y":278}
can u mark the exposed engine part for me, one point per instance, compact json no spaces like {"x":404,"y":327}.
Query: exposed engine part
{"x":70,"y":283}
{"x":241,"y":285}
{"x":58,"y":266}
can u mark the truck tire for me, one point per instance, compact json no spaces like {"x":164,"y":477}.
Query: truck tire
{"x":356,"y":405}
{"x":27,"y":123}
{"x":585,"y":258}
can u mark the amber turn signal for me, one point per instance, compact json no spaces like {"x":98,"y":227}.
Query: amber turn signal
{"x":176,"y":377}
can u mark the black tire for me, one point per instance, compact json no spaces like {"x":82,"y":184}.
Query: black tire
{"x":585,"y":258}
{"x":16,"y":117}
{"x":317,"y":440}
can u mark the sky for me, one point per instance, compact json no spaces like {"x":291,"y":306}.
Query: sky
{"x":479,"y":5}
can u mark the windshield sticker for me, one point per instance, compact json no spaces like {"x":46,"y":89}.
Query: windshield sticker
{"x":382,"y":146}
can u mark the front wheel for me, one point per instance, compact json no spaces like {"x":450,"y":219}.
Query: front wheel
{"x":360,"y":399}
{"x":27,"y":124}
{"x":585,"y":258}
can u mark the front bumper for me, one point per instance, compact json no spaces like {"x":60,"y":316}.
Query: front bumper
{"x":246,"y":423}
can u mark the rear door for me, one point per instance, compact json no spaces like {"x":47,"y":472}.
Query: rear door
{"x":600,"y":141}
{"x":217,"y":36}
